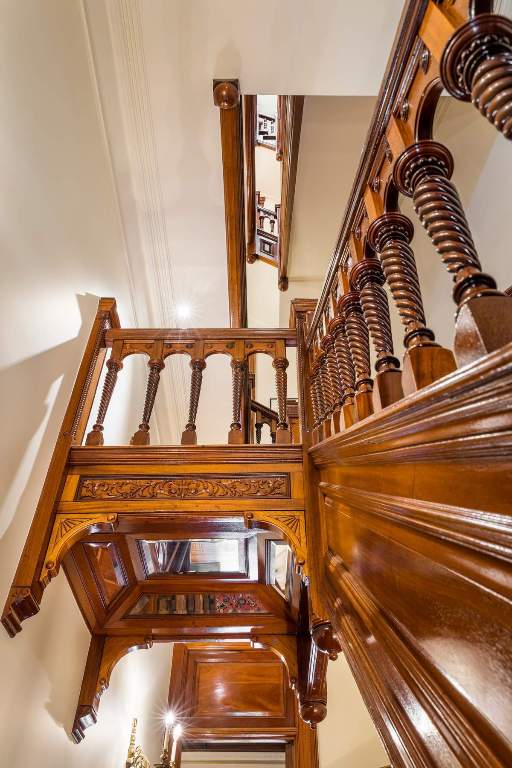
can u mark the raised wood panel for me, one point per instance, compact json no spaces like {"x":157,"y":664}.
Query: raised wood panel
{"x":240,"y":689}
{"x":416,"y":542}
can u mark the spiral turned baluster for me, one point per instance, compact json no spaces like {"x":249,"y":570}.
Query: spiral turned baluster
{"x":141,"y":437}
{"x":189,"y":436}
{"x":333,"y":375}
{"x":315,"y":406}
{"x":95,"y":436}
{"x":423,"y":172}
{"x":368,"y":278}
{"x":280,"y":365}
{"x":359,"y":345}
{"x":476,"y":66}
{"x":235,"y":433}
{"x":389,"y":236}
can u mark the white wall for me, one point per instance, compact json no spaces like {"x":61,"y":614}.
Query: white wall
{"x":347,"y":737}
{"x":62,"y":247}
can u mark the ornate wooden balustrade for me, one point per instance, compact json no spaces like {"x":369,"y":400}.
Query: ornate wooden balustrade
{"x":198,"y":345}
{"x":408,"y":468}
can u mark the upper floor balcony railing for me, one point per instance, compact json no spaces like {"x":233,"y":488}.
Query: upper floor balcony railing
{"x":157,"y":345}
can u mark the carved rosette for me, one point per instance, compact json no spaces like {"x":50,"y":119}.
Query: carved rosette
{"x":477,"y":65}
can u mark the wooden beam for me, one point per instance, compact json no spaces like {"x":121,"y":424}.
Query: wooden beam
{"x":226,"y":96}
{"x":250,"y":108}
{"x":289,"y":141}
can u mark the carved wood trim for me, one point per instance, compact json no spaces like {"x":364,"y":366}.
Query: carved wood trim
{"x":208,"y":486}
{"x":291,"y":524}
{"x":68,"y":528}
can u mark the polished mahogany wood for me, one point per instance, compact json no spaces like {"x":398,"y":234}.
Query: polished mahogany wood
{"x":291,"y":123}
{"x":249,"y":117}
{"x":226,"y":96}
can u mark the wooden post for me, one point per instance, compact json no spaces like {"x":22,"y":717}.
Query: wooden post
{"x":280,"y":365}
{"x":114,"y":365}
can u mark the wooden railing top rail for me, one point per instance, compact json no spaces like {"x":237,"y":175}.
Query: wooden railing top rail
{"x":288,"y":335}
{"x":406,"y":37}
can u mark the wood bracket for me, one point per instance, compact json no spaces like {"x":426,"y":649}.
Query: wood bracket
{"x":104,"y":653}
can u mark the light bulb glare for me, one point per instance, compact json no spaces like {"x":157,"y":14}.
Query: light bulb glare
{"x":170,"y":717}
{"x":177,"y":731}
{"x":183,"y":311}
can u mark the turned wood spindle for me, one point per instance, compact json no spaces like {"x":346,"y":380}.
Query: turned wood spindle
{"x":476,"y":66}
{"x":95,"y":436}
{"x":368,"y":278}
{"x":425,"y":361}
{"x":280,"y":365}
{"x":484,"y":315}
{"x":359,"y":346}
{"x":257,"y":428}
{"x":333,"y":378}
{"x":345,"y":368}
{"x":141,"y":437}
{"x":189,"y":436}
{"x":236,"y":435}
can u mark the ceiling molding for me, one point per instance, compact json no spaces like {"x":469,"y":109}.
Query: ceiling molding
{"x":119,"y":73}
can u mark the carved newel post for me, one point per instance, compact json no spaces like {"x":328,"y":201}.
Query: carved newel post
{"x":424,"y":359}
{"x":189,"y":436}
{"x":484,"y":315}
{"x":236,"y":435}
{"x":476,"y":66}
{"x":368,"y":278}
{"x":280,"y":365}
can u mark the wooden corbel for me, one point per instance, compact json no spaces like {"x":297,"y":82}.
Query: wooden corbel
{"x":104,"y":653}
{"x":68,"y":528}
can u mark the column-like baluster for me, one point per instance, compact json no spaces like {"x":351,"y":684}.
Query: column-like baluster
{"x":424,"y":359}
{"x":334,"y":380}
{"x":368,"y":278}
{"x":95,"y":436}
{"x":257,"y":428}
{"x":484,"y":315}
{"x":280,"y":365}
{"x":476,"y":66}
{"x":235,"y":433}
{"x":189,"y":436}
{"x":141,"y":437}
{"x":359,"y":346}
{"x":325,"y":391}
{"x":346,"y":370}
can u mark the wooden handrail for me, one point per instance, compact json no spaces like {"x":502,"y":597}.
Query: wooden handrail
{"x":405,"y":39}
{"x":289,"y":143}
{"x":178,"y":335}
